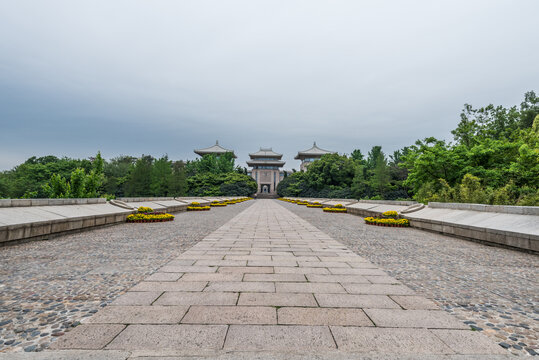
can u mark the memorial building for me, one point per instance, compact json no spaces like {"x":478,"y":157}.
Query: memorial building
{"x":266,"y":170}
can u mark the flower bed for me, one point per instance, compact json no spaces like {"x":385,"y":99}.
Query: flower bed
{"x":315,"y":205}
{"x":147,"y":214}
{"x":217,"y":204}
{"x":387,"y":222}
{"x":339,"y":210}
{"x":302,"y":203}
{"x":198,"y":208}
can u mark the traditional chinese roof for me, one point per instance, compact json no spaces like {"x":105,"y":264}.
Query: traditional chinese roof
{"x":315,"y":151}
{"x":215,"y":149}
{"x":266,"y":153}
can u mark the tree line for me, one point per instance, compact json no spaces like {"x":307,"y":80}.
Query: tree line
{"x":125,"y":176}
{"x":494,"y":159}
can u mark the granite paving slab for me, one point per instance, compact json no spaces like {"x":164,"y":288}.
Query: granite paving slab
{"x":281,"y":305}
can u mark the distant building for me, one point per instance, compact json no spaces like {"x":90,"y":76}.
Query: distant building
{"x":215,"y":149}
{"x":266,"y":170}
{"x":310,"y":155}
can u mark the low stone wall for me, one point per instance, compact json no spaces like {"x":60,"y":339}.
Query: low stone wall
{"x":516,"y":227}
{"x":40,"y":222}
{"x":389,"y":202}
{"x":509,"y":227}
{"x":505,"y":209}
{"x":376,"y":207}
{"x":49,"y":202}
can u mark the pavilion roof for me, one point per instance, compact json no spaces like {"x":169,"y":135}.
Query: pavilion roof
{"x":266,"y":152}
{"x":313,"y":151}
{"x":215,"y":149}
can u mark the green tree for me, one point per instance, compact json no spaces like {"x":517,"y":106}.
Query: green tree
{"x":161,"y":175}
{"x":139,"y":179}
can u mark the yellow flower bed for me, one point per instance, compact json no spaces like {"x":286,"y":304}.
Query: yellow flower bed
{"x":387,"y":222}
{"x":334,"y":209}
{"x":302,"y":203}
{"x":198,"y":208}
{"x":194,"y":203}
{"x":145,"y":209}
{"x":217,"y":204}
{"x":315,"y":205}
{"x":391,"y":213}
{"x":141,"y":217}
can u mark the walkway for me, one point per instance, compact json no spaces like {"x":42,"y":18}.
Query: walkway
{"x":269,"y":281}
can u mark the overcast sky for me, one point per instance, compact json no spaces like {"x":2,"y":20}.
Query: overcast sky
{"x":165,"y":77}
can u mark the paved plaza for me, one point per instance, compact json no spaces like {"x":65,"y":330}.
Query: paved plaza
{"x":269,"y":281}
{"x":265,"y":280}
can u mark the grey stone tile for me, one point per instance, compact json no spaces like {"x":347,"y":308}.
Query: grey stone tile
{"x":323,"y":316}
{"x":162,"y":276}
{"x":381,"y":289}
{"x":278,"y":338}
{"x":433,"y":319}
{"x":170,"y":337}
{"x":170,"y":286}
{"x":212,"y":277}
{"x":138,"y":315}
{"x":87,"y":337}
{"x":276,"y":299}
{"x":240,"y":287}
{"x":275,"y":277}
{"x":337,"y":278}
{"x":197,"y":298}
{"x":356,"y":301}
{"x":188,"y":269}
{"x":412,"y":302}
{"x":369,"y":340}
{"x":469,"y":342}
{"x":137,"y":298}
{"x":246,"y":269}
{"x":300,"y":270}
{"x":330,"y":288}
{"x":231,"y":315}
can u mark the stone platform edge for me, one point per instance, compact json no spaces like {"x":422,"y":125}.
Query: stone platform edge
{"x":515,"y":227}
{"x":41,"y":219}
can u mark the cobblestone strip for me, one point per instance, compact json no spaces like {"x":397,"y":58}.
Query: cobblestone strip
{"x":269,"y":281}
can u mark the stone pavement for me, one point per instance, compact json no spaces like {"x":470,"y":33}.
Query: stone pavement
{"x":268,"y":281}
